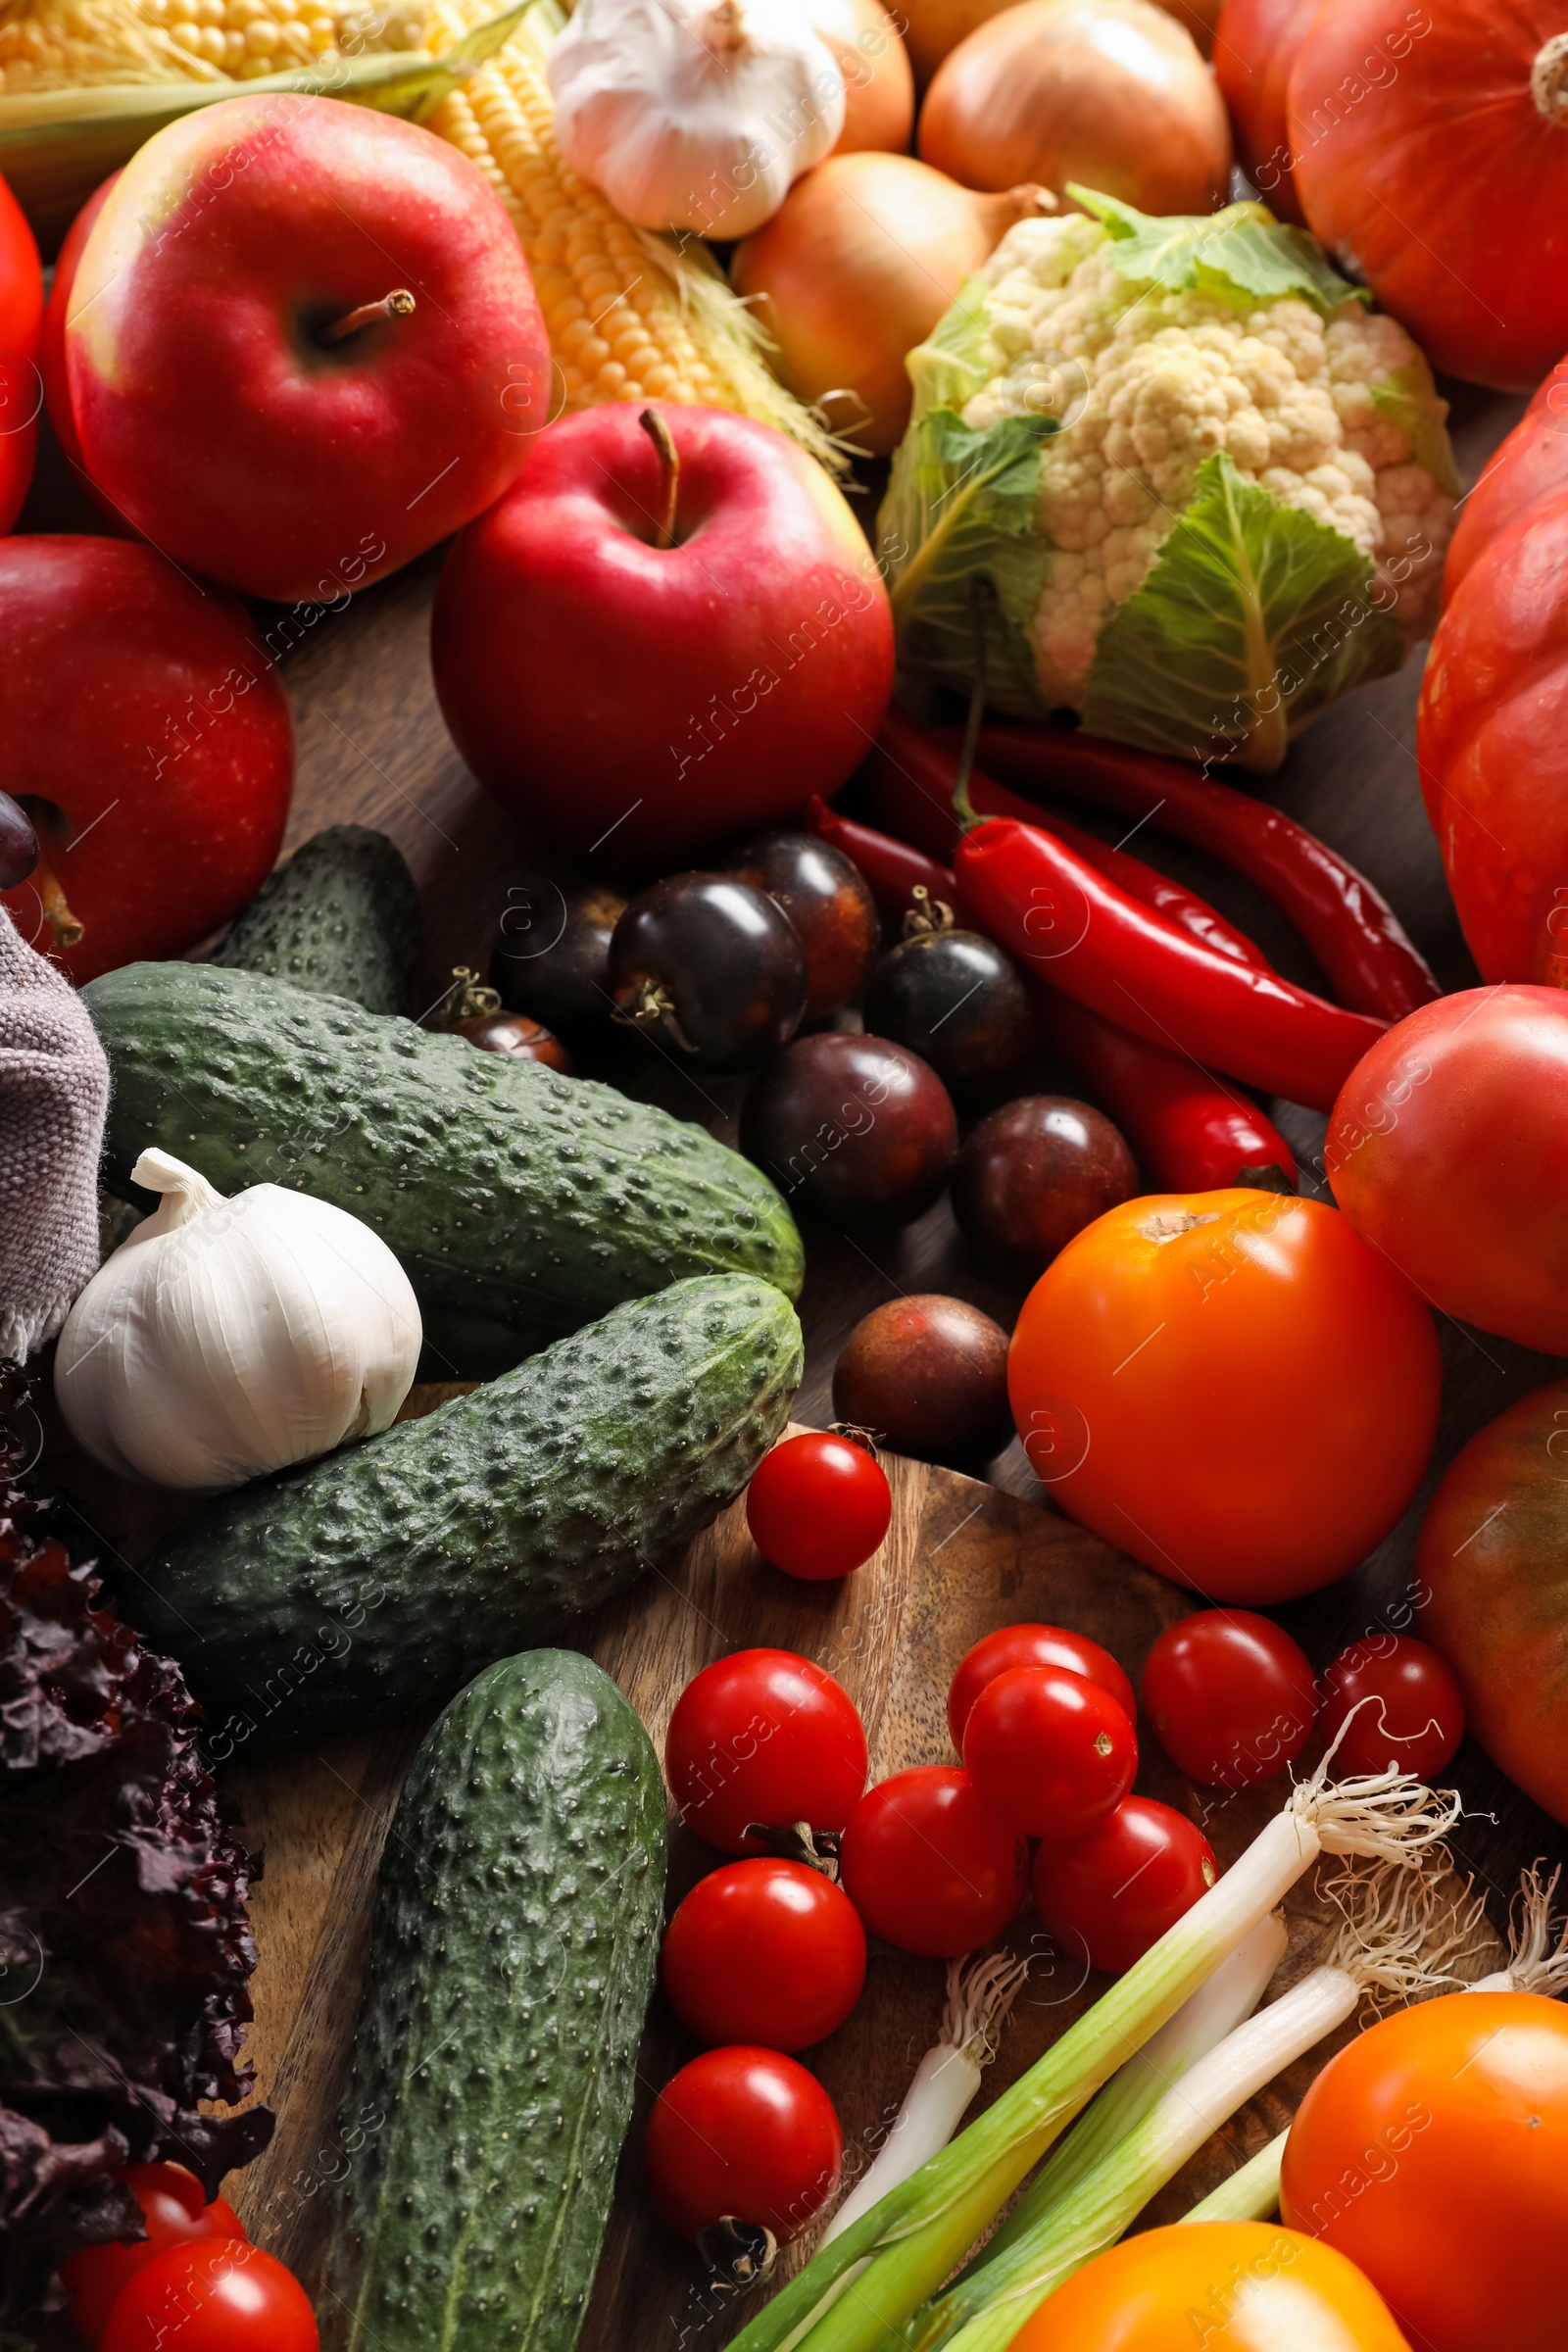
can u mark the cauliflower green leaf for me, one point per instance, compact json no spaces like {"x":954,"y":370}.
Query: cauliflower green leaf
{"x":1254,"y":617}
{"x":1240,"y":256}
{"x":963,"y":504}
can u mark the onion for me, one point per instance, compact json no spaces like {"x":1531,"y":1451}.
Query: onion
{"x":934,"y":26}
{"x":879,"y":84}
{"x":1111,"y":93}
{"x":855,"y":267}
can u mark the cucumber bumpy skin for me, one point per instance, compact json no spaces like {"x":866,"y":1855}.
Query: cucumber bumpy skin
{"x":374,"y":1582}
{"x":341,"y":919}
{"x":505,"y":1190}
{"x":516,"y":1938}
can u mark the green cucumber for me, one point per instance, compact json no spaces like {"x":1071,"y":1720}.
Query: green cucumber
{"x":505,"y":1190}
{"x":341,"y":919}
{"x":330,"y":1597}
{"x":516,"y":1938}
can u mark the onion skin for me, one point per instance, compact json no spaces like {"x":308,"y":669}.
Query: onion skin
{"x":1110,"y":93}
{"x":934,"y":26}
{"x":855,"y":267}
{"x":878,"y":79}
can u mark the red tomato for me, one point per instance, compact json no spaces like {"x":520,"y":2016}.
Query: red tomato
{"x":1033,"y":1646}
{"x":766,"y":1952}
{"x":763,"y":1736}
{"x":1429,"y":2151}
{"x":1230,"y":1695}
{"x":741,"y":2133}
{"x":1492,"y":1562}
{"x":1231,"y":1387}
{"x":20,"y":386}
{"x":215,"y":2295}
{"x":1527,"y":471}
{"x":1215,"y":2287}
{"x":819,"y":1505}
{"x":1108,"y":1896}
{"x":1416,"y":1718}
{"x":1050,"y":1753}
{"x":173,"y":2211}
{"x":21,"y":280}
{"x":1446,"y":1151}
{"x":928,"y":1866}
{"x":1255,"y":49}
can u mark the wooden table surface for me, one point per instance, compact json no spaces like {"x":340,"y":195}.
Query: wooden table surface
{"x":372,"y":750}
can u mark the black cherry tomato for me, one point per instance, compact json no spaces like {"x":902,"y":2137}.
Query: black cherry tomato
{"x":852,"y":1129}
{"x":709,"y":968}
{"x":829,"y":907}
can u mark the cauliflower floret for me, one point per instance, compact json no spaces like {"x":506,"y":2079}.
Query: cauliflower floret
{"x":1146,"y":383}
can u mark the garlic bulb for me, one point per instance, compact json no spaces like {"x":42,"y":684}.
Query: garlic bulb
{"x":228,"y":1337}
{"x":694,"y":113}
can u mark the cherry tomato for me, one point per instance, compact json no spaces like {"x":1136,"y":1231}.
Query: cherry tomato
{"x":1108,"y":1896}
{"x":1215,"y":2287}
{"x":1231,"y":1698}
{"x":819,"y":1505}
{"x":1033,"y":1646}
{"x":1231,"y":1386}
{"x":763,"y":1736}
{"x":928,"y":1866}
{"x":743,"y":2134}
{"x":766,"y":1952}
{"x":213,"y":2295}
{"x":1429,"y":2151}
{"x":174,"y":2210}
{"x":20,"y":386}
{"x":1049,"y":1752}
{"x":1416,"y":1718}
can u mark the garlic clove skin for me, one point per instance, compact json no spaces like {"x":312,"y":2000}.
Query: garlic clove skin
{"x":228,"y":1337}
{"x":694,"y":113}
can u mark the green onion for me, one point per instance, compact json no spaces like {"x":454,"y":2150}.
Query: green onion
{"x":1250,"y":2195}
{"x":1200,"y":2025}
{"x":1395,"y":1938}
{"x":860,"y":2288}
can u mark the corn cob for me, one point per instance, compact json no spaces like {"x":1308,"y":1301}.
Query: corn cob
{"x":630,"y":315}
{"x":74,"y":44}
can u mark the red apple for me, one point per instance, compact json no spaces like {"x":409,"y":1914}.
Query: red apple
{"x":145,"y":732}
{"x":21,"y":391}
{"x":609,"y":684}
{"x":303,"y":344}
{"x":52,"y":345}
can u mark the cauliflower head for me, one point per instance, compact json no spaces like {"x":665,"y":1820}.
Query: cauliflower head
{"x":1208,"y":486}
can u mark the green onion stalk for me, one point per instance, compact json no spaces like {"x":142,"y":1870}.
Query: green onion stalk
{"x":859,"y":2291}
{"x":1398,"y":1938}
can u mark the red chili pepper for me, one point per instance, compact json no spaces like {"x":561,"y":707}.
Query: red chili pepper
{"x":892,"y":868}
{"x":1067,"y":921}
{"x":1348,"y":925}
{"x":1191,"y":1133}
{"x":911,"y":775}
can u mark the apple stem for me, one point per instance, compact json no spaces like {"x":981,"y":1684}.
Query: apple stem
{"x":663,"y":440}
{"x":69,"y":929}
{"x":399,"y":303}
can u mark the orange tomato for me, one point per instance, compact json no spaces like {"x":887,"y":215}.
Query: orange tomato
{"x":1215,"y":2286}
{"x":1433,"y":2151}
{"x":1231,"y":1386}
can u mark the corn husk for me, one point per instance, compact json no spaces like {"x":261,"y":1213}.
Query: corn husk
{"x":57,"y":145}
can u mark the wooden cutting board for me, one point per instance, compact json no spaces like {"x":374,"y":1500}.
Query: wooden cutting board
{"x":960,"y":1559}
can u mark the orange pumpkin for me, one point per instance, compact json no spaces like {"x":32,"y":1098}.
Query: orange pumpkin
{"x":1492,"y":743}
{"x":1529,"y":468}
{"x":1255,"y":50}
{"x":1431,"y":147}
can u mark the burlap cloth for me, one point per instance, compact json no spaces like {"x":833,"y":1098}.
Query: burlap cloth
{"x":54,"y":1093}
